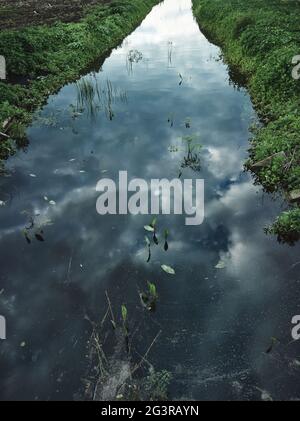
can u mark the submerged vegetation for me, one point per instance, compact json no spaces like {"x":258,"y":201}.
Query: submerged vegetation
{"x":116,"y":370}
{"x":259,"y":40}
{"x":94,"y":97}
{"x":41,"y":59}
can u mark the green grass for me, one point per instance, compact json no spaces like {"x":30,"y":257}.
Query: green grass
{"x":259,"y":38}
{"x":51,"y":56}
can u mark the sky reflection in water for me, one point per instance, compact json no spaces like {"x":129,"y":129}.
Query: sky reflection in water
{"x":216,"y":323}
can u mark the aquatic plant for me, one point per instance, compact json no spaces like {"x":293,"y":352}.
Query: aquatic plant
{"x":170,"y":52}
{"x":157,"y":384}
{"x":149,"y":298}
{"x":191,"y":158}
{"x":86,"y":95}
{"x":133,"y":56}
{"x":116,"y":373}
{"x":93,"y":96}
{"x":166,"y":236}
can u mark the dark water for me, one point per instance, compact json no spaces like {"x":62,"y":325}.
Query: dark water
{"x":216,"y":323}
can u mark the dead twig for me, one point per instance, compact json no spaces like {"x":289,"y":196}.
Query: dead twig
{"x":111,"y":311}
{"x":146,"y":354}
{"x":289,"y":164}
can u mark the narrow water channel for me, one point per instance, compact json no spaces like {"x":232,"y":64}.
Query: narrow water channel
{"x":165,"y":89}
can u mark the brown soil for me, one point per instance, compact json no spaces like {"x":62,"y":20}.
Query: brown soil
{"x":17,"y":13}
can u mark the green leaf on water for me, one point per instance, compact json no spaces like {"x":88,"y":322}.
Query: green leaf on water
{"x":124,"y":313}
{"x":221,"y":265}
{"x":168,"y":269}
{"x":149,"y":228}
{"x":152,"y":289}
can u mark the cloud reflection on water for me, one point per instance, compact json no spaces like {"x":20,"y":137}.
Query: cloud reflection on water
{"x":216,"y":322}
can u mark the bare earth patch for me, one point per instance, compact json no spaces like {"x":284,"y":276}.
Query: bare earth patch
{"x":17,"y":13}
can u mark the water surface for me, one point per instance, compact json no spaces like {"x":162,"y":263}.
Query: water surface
{"x":165,"y":82}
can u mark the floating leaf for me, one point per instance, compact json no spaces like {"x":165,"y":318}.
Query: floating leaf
{"x":46,"y":198}
{"x":2,"y":203}
{"x":52,"y":203}
{"x":149,"y":228}
{"x":168,"y":269}
{"x":32,"y":175}
{"x":221,"y":265}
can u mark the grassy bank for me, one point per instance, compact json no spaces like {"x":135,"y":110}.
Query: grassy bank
{"x":259,"y":38}
{"x":41,"y":59}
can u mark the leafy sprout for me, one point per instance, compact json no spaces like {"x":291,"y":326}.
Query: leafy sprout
{"x":152,"y":290}
{"x":124,"y":313}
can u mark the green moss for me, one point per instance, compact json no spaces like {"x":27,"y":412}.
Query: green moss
{"x":47,"y":57}
{"x":260,"y":38}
